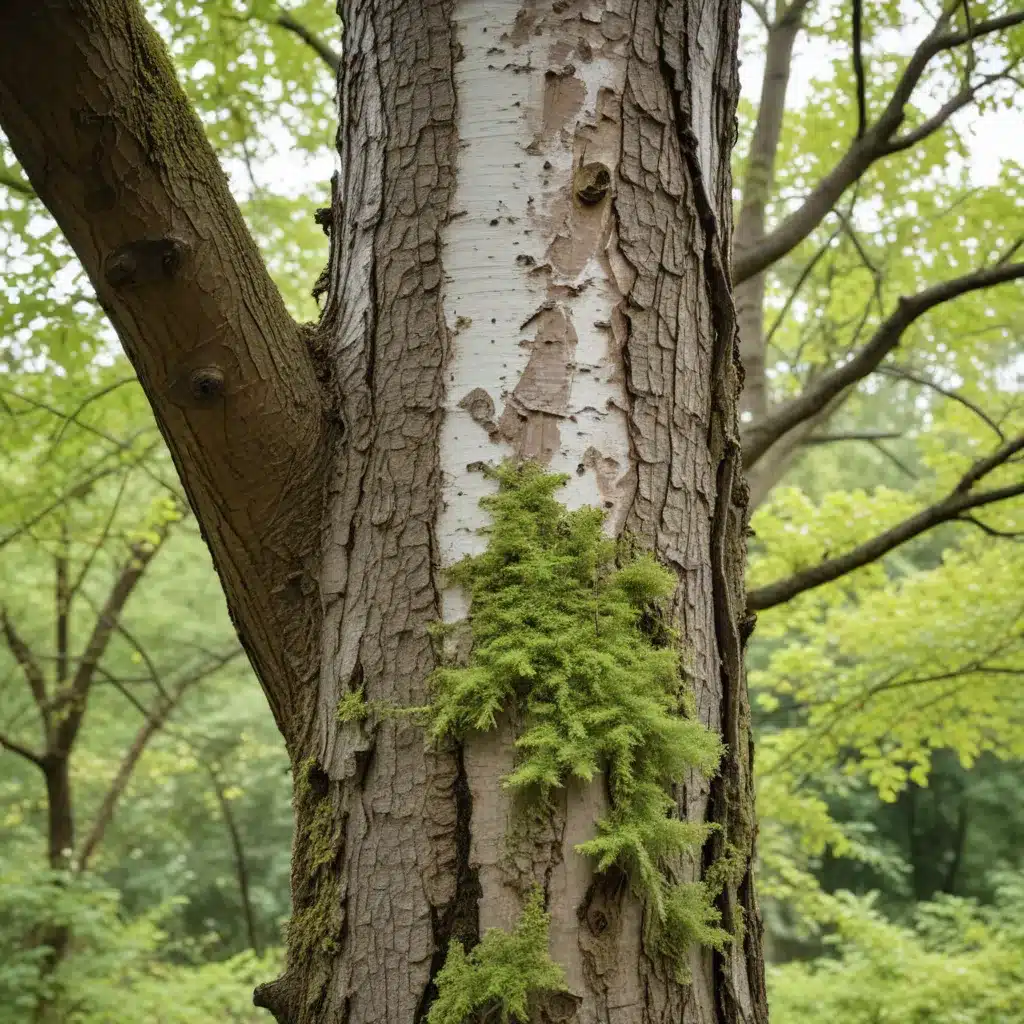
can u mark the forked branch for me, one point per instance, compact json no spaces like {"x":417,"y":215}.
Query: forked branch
{"x":961,"y":500}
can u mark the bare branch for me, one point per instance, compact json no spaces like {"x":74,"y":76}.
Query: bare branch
{"x":29,"y":665}
{"x":64,"y":596}
{"x":927,"y":127}
{"x":238,"y":849}
{"x":326,"y":53}
{"x":864,"y":151}
{"x":154,"y":721}
{"x":72,"y":701}
{"x":895,"y":460}
{"x":805,"y":273}
{"x":152,"y":724}
{"x":858,"y":69}
{"x":16,"y":748}
{"x":852,"y":435}
{"x":761,"y":10}
{"x":950,"y":509}
{"x":760,"y":437}
{"x":904,"y":374}
{"x":77,"y":490}
{"x":991,"y":530}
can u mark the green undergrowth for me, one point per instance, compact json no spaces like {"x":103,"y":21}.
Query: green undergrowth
{"x":501,"y":973}
{"x":562,"y":637}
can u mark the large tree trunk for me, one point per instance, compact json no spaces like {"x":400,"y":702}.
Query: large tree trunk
{"x":530,"y":239}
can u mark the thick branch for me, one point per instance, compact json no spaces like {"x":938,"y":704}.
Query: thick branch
{"x":951,"y":508}
{"x":759,"y":438}
{"x":326,"y":53}
{"x":107,"y":138}
{"x":875,"y":143}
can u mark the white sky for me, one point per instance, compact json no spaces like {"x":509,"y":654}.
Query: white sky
{"x":996,"y":135}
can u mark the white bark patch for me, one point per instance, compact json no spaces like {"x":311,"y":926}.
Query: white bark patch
{"x":530,"y":293}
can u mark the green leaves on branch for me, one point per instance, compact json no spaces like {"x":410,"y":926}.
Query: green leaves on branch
{"x":562,"y":641}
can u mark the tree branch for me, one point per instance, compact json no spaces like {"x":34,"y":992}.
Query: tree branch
{"x":16,"y":748}
{"x":326,"y":53}
{"x":760,"y":437}
{"x":904,"y":374}
{"x":150,"y":726}
{"x":900,"y":143}
{"x":16,"y":184}
{"x":858,"y":69}
{"x":852,"y":435}
{"x":154,"y":720}
{"x":950,"y":509}
{"x":991,"y":531}
{"x":750,"y":260}
{"x":71,"y":701}
{"x":105,"y":135}
{"x":29,"y":666}
{"x":238,"y":850}
{"x":761,"y":11}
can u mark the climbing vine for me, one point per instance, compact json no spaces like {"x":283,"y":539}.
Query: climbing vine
{"x":561,"y":636}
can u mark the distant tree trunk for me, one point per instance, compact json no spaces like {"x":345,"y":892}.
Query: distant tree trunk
{"x":530,"y":243}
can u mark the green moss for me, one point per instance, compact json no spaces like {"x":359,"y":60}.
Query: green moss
{"x":314,"y":928}
{"x":558,"y":633}
{"x":301,"y":788}
{"x":353,"y":707}
{"x":501,"y":974}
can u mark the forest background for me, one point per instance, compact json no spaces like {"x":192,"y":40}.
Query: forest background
{"x":887,"y":699}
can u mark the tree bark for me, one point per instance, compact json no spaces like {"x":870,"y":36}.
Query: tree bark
{"x":757,"y":191}
{"x":529,"y":258}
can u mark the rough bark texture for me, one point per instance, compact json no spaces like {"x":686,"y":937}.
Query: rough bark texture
{"x":424,"y":847}
{"x":624,"y":126}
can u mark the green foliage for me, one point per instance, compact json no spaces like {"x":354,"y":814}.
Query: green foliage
{"x":502,"y":973}
{"x":957,"y":963}
{"x":558,"y":640}
{"x":117,"y":971}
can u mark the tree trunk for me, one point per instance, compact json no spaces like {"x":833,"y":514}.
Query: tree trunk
{"x":530,"y":242}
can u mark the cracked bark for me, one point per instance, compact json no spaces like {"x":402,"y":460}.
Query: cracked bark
{"x":529,"y":255}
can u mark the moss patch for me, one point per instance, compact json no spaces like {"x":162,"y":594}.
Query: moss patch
{"x":501,"y":974}
{"x":562,"y":634}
